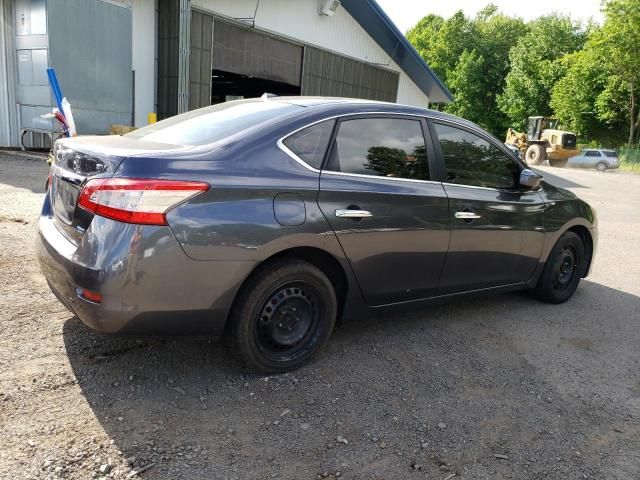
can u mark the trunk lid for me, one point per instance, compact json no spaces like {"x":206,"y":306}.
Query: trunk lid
{"x":80,"y":158}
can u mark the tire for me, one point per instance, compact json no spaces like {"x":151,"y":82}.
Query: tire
{"x":602,"y":166}
{"x":558,"y":163}
{"x":562,"y":271}
{"x":282,"y":317}
{"x":535,"y":155}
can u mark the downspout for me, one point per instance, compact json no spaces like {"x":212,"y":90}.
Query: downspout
{"x":184,"y":54}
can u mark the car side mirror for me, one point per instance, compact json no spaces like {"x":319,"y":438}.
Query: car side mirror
{"x":530,"y":179}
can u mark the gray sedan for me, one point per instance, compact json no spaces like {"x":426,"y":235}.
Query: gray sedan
{"x":600,"y":159}
{"x":267,"y":221}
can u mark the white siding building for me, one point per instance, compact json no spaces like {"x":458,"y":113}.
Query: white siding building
{"x":118,"y":60}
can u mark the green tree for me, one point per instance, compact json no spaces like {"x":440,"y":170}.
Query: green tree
{"x":498,"y":34}
{"x":441,"y":42}
{"x":537,"y":65}
{"x":471,"y":56}
{"x":600,"y":93}
{"x":583,"y":99}
{"x":466,"y":81}
{"x":617,"y":42}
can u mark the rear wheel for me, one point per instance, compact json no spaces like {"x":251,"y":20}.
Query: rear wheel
{"x":558,"y":163}
{"x":601,"y":166}
{"x":562,"y":271}
{"x":535,"y":155}
{"x":283,"y":316}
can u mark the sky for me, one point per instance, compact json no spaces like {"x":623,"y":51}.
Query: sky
{"x":406,"y":13}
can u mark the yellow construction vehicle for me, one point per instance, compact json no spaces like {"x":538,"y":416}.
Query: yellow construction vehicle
{"x":544,"y":141}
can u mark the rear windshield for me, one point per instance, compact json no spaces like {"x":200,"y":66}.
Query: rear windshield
{"x":214,"y":123}
{"x":610,"y":154}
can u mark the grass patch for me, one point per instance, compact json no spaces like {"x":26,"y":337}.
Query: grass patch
{"x":630,"y":167}
{"x":629,"y":159}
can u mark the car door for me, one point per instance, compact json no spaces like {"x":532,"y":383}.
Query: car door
{"x":390,"y":218}
{"x":592,"y":158}
{"x":578,"y":160}
{"x":497,"y":228}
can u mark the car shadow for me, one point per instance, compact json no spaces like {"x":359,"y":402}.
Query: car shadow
{"x":13,"y":172}
{"x":556,"y":180}
{"x":187,"y":406}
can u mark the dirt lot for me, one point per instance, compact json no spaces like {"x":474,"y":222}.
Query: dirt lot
{"x":500,"y":387}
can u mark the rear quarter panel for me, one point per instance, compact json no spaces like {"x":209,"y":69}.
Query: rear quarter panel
{"x":235,"y":219}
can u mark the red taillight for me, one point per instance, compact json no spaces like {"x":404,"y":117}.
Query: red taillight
{"x":132,"y":200}
{"x":90,"y":295}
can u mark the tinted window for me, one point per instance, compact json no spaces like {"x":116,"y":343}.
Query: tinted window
{"x":310,"y":144}
{"x":592,"y":153}
{"x":610,"y":154}
{"x":388,"y":147}
{"x":214,"y":123}
{"x":472,"y":160}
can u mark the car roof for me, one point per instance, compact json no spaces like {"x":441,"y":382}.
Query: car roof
{"x":357,"y":105}
{"x":315,"y":101}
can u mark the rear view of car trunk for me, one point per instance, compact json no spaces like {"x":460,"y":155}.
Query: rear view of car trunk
{"x":77,"y":160}
{"x":69,"y":170}
{"x":106,"y":250}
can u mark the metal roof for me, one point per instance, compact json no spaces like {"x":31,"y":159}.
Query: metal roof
{"x":379,"y":26}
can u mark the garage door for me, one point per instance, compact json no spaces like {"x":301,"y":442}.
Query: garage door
{"x":247,"y":52}
{"x":329,"y":74}
{"x":200,"y":60}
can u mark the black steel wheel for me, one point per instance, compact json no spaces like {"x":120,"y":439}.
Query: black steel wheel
{"x":564,"y":268}
{"x":287,"y":320}
{"x":562,"y":271}
{"x":282,"y":317}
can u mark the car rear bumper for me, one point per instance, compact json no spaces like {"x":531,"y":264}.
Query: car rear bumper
{"x":148,"y":285}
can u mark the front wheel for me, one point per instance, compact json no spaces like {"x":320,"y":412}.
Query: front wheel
{"x":562,"y":271}
{"x":282,"y":317}
{"x":535,"y":155}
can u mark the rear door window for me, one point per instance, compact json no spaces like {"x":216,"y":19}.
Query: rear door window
{"x":384,"y":147}
{"x":471,"y":160}
{"x":310,"y":144}
{"x":592,"y":153}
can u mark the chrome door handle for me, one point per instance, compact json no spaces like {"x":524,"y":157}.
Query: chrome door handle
{"x":467,"y":215}
{"x":348,"y":213}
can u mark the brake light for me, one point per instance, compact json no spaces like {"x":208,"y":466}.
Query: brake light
{"x":132,"y":200}
{"x":90,"y":295}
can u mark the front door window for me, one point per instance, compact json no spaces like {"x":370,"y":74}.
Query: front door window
{"x":472,"y":160}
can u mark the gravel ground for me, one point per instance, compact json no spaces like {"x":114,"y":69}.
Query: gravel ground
{"x":499,"y":387}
